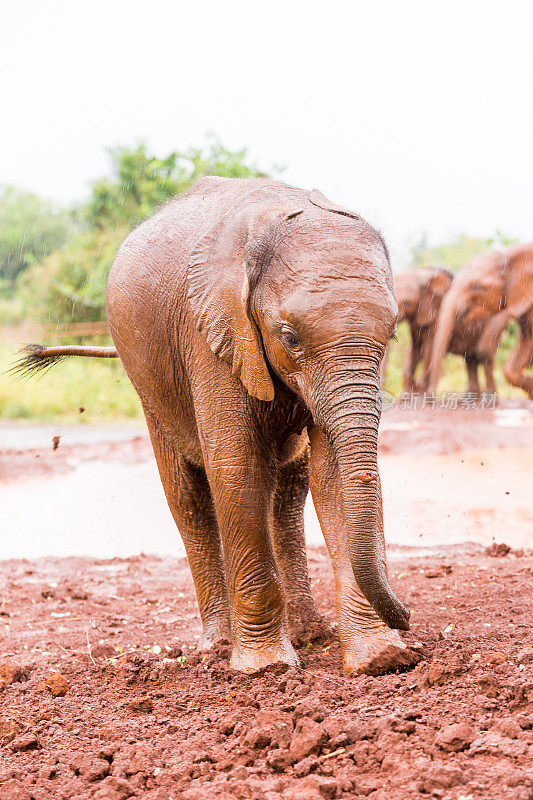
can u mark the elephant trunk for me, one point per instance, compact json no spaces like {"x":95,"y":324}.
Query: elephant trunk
{"x":350,"y":419}
{"x":443,"y":333}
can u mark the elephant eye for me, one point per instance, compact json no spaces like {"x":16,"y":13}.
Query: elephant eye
{"x":291,"y":341}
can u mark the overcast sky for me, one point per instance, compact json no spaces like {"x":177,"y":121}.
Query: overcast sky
{"x":417,"y":114}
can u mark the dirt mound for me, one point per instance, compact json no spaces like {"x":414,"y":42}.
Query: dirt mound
{"x":145,"y":715}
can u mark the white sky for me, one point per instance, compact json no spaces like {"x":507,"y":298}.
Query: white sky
{"x":417,"y":114}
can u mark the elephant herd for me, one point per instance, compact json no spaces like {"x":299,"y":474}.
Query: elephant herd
{"x":466,"y":315}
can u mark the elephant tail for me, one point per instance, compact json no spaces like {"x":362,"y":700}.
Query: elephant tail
{"x":37,"y":357}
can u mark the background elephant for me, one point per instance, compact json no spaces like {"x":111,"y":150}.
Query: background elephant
{"x":419,"y":294}
{"x":252,"y":318}
{"x":489,"y":291}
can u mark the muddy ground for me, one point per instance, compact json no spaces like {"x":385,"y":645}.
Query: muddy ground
{"x":103,"y":694}
{"x":447,"y":477}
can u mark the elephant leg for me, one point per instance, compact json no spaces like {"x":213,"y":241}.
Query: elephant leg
{"x":520,"y":359}
{"x":425,"y":356}
{"x":243,"y":491}
{"x":472,"y":364}
{"x":288,"y":541}
{"x":490,"y":384}
{"x":368,"y":645}
{"x":191,"y":504}
{"x":410,"y":364}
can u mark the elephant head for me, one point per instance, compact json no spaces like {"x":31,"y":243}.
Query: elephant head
{"x":295,"y":293}
{"x":492,"y":283}
{"x":419,"y":294}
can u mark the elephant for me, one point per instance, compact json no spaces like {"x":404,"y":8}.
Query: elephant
{"x":251,"y":318}
{"x":485,"y":295}
{"x":419,"y":294}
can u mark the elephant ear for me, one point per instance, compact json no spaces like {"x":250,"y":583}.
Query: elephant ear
{"x":318,"y":199}
{"x":431,"y":297}
{"x":520,"y":282}
{"x":225,"y":262}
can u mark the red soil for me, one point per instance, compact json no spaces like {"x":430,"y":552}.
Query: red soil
{"x":103,"y":694}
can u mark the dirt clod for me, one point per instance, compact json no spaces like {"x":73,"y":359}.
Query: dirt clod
{"x":141,"y":705}
{"x":25,"y":742}
{"x":308,"y":737}
{"x":57,"y":684}
{"x":12,"y":673}
{"x":507,"y":727}
{"x":453,"y":738}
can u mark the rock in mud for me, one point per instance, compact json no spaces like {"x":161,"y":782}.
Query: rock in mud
{"x":342,"y":732}
{"x":57,"y":684}
{"x":454,"y":738}
{"x":308,"y":708}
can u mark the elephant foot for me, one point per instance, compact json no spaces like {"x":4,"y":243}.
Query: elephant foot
{"x":379,"y":653}
{"x":214,"y":631}
{"x":254,"y":659}
{"x":306,"y":624}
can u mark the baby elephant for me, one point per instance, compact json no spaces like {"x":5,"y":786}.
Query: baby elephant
{"x":252,"y":318}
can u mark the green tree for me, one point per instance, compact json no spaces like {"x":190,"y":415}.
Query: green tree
{"x":141,"y":181}
{"x":31,"y":228}
{"x":455,"y":252}
{"x":69,"y":285}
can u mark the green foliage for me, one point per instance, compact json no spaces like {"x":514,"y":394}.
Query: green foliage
{"x":141,"y":182}
{"x":454,"y":253}
{"x":69,"y":285}
{"x":31,"y":228}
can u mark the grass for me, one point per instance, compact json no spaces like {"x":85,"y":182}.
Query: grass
{"x":101,"y":387}
{"x":453,"y":378}
{"x":104,"y":390}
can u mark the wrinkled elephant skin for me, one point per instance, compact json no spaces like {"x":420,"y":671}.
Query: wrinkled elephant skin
{"x":252,"y":318}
